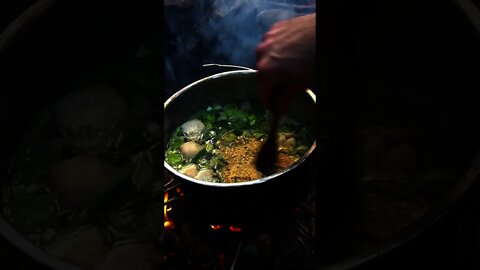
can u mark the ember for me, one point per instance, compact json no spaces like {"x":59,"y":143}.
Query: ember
{"x":179,"y":191}
{"x":230,"y":228}
{"x":234,"y":229}
{"x":168,"y":225}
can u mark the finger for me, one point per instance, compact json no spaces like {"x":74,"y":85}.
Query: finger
{"x":270,"y":34}
{"x":266,"y":36}
{"x":262,"y":48}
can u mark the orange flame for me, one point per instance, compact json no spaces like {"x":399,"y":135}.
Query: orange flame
{"x":216,"y":227}
{"x":167,"y":224}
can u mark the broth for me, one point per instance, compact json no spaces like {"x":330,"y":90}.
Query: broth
{"x":220,"y":143}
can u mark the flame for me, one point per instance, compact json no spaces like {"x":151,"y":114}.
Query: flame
{"x":167,"y":224}
{"x":234,"y":229}
{"x":216,"y":227}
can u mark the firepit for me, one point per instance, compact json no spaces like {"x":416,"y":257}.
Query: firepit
{"x":285,"y":238}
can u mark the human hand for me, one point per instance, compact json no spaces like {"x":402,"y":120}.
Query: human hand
{"x":286,"y":60}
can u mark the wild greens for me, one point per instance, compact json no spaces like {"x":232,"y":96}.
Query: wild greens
{"x":88,"y":167}
{"x":200,"y":144}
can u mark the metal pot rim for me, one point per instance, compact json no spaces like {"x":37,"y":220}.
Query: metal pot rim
{"x":232,"y":185}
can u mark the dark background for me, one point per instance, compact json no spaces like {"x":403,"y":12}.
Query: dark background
{"x":452,"y":243}
{"x":10,"y":257}
{"x":418,"y":43}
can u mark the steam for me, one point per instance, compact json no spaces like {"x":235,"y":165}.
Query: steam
{"x":227,"y":31}
{"x":233,"y":30}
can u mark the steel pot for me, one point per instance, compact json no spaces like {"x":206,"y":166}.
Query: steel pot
{"x":40,"y":54}
{"x":270,"y":191}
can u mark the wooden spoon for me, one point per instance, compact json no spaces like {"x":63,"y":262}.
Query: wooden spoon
{"x":267,"y":156}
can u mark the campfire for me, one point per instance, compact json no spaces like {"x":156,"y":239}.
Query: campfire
{"x":191,"y":236}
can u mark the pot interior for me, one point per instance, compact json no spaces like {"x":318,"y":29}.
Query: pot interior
{"x":230,"y":87}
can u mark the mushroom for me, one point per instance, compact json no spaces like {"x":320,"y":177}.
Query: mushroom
{"x":205,"y":175}
{"x":85,"y":247}
{"x":190,"y":149}
{"x":281,"y":139}
{"x":81,"y":181}
{"x":290,"y":142}
{"x":190,"y":170}
{"x":193,"y":129}
{"x":85,"y":116}
{"x":288,"y":135}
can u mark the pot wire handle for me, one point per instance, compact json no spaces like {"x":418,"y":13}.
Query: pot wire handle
{"x":228,"y":66}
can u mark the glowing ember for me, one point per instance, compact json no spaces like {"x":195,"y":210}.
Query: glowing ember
{"x":216,"y":227}
{"x":179,"y":192}
{"x":234,"y":229}
{"x":168,"y":225}
{"x":231,"y":228}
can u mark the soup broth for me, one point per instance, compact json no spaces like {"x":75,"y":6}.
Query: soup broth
{"x":220,"y":143}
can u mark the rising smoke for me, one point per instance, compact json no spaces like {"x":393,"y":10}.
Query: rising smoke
{"x":222,"y":32}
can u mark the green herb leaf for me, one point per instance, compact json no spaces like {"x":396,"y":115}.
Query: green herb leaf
{"x":174,"y":159}
{"x":229,"y":137}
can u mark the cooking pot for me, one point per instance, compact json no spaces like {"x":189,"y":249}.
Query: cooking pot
{"x":50,"y":49}
{"x":267,"y":193}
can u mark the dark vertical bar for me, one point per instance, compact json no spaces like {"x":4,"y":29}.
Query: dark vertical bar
{"x":338,"y":99}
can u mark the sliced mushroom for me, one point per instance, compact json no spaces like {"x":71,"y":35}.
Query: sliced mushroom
{"x":205,"y":175}
{"x":81,"y":181}
{"x":290,"y":142}
{"x":190,"y":149}
{"x":86,"y":116}
{"x":85,"y":247}
{"x":288,"y":135}
{"x":90,"y":111}
{"x":281,"y":139}
{"x":190,"y":170}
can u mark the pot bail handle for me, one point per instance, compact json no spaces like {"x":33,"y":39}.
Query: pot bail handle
{"x":227,"y":66}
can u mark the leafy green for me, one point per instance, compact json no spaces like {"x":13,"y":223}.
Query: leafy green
{"x":176,"y":142}
{"x":229,"y":124}
{"x":174,"y":159}
{"x":229,"y":137}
